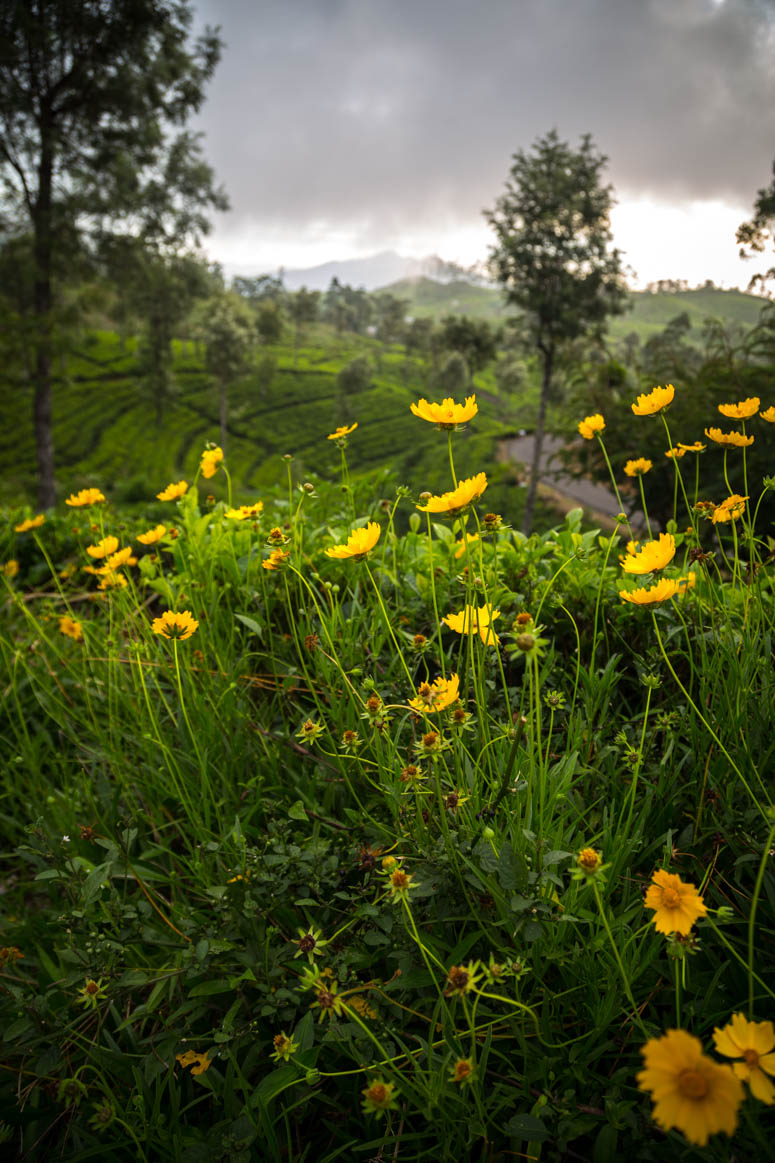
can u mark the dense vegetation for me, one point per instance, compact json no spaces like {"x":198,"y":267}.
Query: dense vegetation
{"x":329,"y":855}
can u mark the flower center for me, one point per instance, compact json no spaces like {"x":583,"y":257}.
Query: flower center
{"x":670,"y":898}
{"x":692,"y":1084}
{"x":752,"y":1058}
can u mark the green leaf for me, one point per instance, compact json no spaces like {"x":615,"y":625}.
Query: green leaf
{"x":208,"y":988}
{"x":251,"y":624}
{"x":526,"y":1127}
{"x":297,"y":811}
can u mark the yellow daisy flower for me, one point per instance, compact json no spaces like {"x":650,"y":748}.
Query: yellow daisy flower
{"x":731,"y":439}
{"x":172,"y":492}
{"x":122,"y":557}
{"x":210,"y":462}
{"x":729,"y":510}
{"x":665,"y":588}
{"x":754,"y":1042}
{"x":768,"y":415}
{"x":245,"y":511}
{"x":676,"y":453}
{"x":447,"y":414}
{"x":676,"y":905}
{"x":653,"y":556}
{"x":30,"y":523}
{"x":698,"y":446}
{"x":473,"y":621}
{"x":359,"y":543}
{"x":11,"y":568}
{"x":85,"y":497}
{"x":276,"y":558}
{"x":172,"y":625}
{"x":379,"y":1097}
{"x":342,"y":431}
{"x":112,"y":580}
{"x":458,"y":499}
{"x":198,"y":1062}
{"x":690,"y":1091}
{"x":103,"y":548}
{"x":590,"y":425}
{"x":466,"y":539}
{"x":742,"y":410}
{"x":70,"y":628}
{"x":152,"y":536}
{"x":436,"y":696}
{"x":636,"y":468}
{"x":650,"y":403}
{"x":462,"y":1071}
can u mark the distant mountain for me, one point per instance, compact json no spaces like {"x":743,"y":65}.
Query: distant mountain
{"x":376,"y":270}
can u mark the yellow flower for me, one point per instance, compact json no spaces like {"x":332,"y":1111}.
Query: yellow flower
{"x":447,"y":414}
{"x":636,"y":468}
{"x":92,"y":992}
{"x":665,"y":588}
{"x":342,"y":431}
{"x":466,"y":539}
{"x":275,"y":559}
{"x":589,"y":861}
{"x":70,"y":628}
{"x":462,"y":1071}
{"x":769,"y":415}
{"x":439,"y":695}
{"x":754,"y":1043}
{"x":85,"y":497}
{"x":676,"y":453}
{"x":198,"y":1062}
{"x":11,"y":568}
{"x":459,"y":498}
{"x":283,"y":1047}
{"x":30,"y":523}
{"x":172,"y":492}
{"x":676,"y":905}
{"x":461,"y":979}
{"x":400,"y":884}
{"x":379,"y":1097}
{"x":654,"y":555}
{"x":210,"y":462}
{"x":729,"y":510}
{"x":359,"y":543}
{"x":590,"y":425}
{"x":245,"y":511}
{"x":328,"y":1001}
{"x":689,"y":1090}
{"x":731,"y":439}
{"x":152,"y":536}
{"x":172,"y":625}
{"x":698,"y":446}
{"x":473,"y":621}
{"x":654,"y":401}
{"x":123,"y":557}
{"x":103,"y":548}
{"x":112,"y":580}
{"x":742,"y":410}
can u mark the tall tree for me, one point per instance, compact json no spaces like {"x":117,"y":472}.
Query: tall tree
{"x":554,"y":256}
{"x":94,"y":98}
{"x":758,"y":233}
{"x":227,"y":328}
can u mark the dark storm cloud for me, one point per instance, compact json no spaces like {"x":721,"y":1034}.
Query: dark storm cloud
{"x":393,"y":114}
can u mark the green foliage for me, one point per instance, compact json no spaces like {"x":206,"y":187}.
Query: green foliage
{"x":209,"y":950}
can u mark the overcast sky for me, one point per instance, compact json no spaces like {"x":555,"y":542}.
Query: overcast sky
{"x":342,"y":127}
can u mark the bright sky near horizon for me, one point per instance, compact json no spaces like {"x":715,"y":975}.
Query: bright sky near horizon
{"x":344,"y":127}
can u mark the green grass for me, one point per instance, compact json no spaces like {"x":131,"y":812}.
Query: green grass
{"x":246,"y":850}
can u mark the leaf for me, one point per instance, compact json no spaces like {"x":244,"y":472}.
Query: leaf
{"x":208,"y":988}
{"x":297,"y":811}
{"x":251,"y":624}
{"x":526,"y":1127}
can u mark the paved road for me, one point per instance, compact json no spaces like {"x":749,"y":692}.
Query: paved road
{"x":592,"y":496}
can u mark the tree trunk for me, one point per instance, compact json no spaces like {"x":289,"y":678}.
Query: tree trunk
{"x":538,"y":442}
{"x":41,"y":224}
{"x":223,"y":410}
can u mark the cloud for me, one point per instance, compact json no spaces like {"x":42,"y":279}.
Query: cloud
{"x":390,"y":117}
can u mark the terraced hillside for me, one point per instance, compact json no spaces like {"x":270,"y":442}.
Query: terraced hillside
{"x":650,"y":312}
{"x":106,"y":430}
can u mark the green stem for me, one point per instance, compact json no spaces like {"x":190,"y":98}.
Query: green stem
{"x":752,"y":914}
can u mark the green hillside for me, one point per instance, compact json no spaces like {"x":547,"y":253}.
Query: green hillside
{"x":650,"y":312}
{"x":106,"y":430}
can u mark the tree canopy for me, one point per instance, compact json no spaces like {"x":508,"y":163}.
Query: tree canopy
{"x":554,"y":254}
{"x":94,"y":99}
